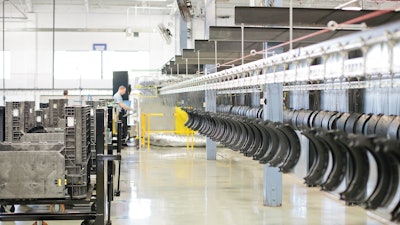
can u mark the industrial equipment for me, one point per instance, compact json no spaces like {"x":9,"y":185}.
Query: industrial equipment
{"x":39,"y":170}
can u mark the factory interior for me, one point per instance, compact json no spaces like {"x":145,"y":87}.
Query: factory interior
{"x":200,"y":112}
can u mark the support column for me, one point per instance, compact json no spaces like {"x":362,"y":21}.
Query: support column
{"x":240,"y":99}
{"x":255,"y":99}
{"x":273,"y":110}
{"x":210,"y":95}
{"x":211,"y":106}
{"x":183,"y":35}
{"x":210,"y":16}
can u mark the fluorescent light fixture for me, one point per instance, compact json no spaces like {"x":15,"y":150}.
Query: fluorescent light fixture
{"x":353,"y":5}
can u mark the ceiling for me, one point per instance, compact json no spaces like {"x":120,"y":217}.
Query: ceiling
{"x":168,"y":6}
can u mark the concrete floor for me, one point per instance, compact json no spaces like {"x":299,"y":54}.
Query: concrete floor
{"x":175,"y":186}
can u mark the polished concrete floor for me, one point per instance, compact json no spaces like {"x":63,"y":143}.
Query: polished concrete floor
{"x":175,"y":186}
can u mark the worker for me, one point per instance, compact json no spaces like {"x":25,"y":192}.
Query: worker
{"x":122,"y":109}
{"x":65,"y":93}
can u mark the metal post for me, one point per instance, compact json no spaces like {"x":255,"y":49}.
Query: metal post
{"x":186,"y":63}
{"x":101,"y":65}
{"x":242,"y":38}
{"x":211,"y":106}
{"x":291,"y":25}
{"x":100,"y":176}
{"x":273,"y":111}
{"x":255,"y":97}
{"x":216,"y":54}
{"x":198,"y":61}
{"x":119,"y":148}
{"x":4,"y":55}
{"x":53,"y":44}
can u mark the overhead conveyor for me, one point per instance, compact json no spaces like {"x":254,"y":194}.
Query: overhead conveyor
{"x":347,"y":146}
{"x":268,"y":142}
{"x":278,"y":145}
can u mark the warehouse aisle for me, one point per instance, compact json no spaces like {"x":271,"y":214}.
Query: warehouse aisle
{"x":170,"y":186}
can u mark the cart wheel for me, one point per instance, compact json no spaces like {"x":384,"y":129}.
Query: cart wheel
{"x":93,"y":207}
{"x":57,"y":208}
{"x":40,"y":223}
{"x":7,"y":209}
{"x":12,"y":209}
{"x":87,"y":222}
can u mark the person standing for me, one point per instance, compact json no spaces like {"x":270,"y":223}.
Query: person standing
{"x":122,"y":110}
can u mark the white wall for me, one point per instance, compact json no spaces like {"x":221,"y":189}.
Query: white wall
{"x":31,"y":45}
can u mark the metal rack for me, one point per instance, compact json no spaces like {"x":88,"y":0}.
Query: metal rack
{"x":77,"y":150}
{"x":56,"y":111}
{"x":19,"y":119}
{"x":379,"y":47}
{"x":364,"y":60}
{"x":96,"y":199}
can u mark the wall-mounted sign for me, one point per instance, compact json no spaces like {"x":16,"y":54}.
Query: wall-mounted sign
{"x":99,"y":47}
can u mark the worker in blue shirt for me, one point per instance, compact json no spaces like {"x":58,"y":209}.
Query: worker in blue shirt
{"x":122,"y":109}
{"x":118,"y":99}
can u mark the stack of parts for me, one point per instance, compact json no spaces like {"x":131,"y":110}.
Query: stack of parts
{"x":277,"y":144}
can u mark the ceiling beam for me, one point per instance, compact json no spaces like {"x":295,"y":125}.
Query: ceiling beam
{"x":226,"y":46}
{"x":29,"y":6}
{"x":266,"y":34}
{"x":304,"y":17}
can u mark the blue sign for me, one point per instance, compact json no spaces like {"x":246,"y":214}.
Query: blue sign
{"x":99,"y":47}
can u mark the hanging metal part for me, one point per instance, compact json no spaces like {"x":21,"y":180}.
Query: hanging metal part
{"x":321,"y":158}
{"x":356,"y":189}
{"x":294,"y":152}
{"x":339,"y":160}
{"x":278,"y":145}
{"x":387,"y":181}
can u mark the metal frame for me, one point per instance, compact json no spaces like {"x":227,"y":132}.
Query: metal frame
{"x":296,"y":66}
{"x":327,"y":66}
{"x":102,"y":197}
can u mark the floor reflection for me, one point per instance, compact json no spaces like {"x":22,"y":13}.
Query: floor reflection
{"x":175,"y":186}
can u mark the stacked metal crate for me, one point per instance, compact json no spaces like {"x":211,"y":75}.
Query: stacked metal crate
{"x":56,"y":111}
{"x":19,"y":119}
{"x":31,"y":171}
{"x":39,"y":118}
{"x":77,"y":150}
{"x":46,"y":117}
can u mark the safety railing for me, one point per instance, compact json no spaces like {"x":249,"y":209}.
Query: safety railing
{"x":146,"y":131}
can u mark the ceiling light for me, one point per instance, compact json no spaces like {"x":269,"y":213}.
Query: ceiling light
{"x":353,"y":5}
